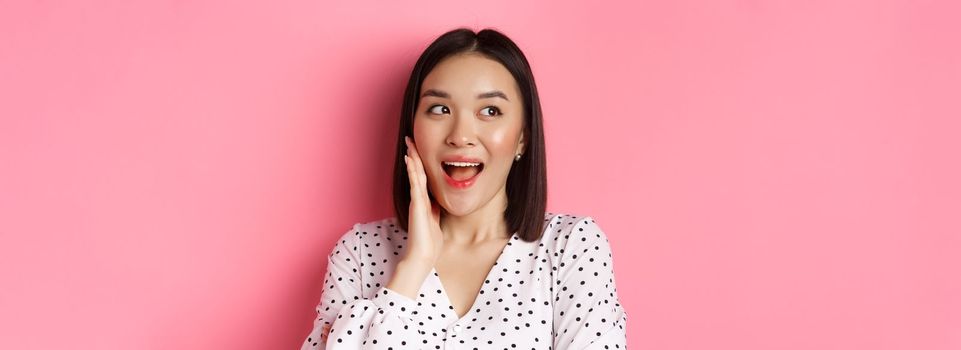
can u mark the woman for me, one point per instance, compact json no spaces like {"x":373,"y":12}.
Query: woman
{"x":472,"y":260}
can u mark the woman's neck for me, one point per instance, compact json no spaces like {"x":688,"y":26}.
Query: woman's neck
{"x":484,"y":224}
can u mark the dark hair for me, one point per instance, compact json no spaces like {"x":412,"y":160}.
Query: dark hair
{"x":527,"y":180}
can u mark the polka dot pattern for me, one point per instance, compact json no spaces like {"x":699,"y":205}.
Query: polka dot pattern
{"x":555,"y":293}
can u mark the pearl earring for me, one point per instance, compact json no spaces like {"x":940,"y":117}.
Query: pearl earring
{"x":517,"y":157}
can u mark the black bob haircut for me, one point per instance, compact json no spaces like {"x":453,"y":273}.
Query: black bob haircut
{"x":527,"y":180}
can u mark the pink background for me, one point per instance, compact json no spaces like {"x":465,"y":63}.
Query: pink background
{"x":773,"y":174}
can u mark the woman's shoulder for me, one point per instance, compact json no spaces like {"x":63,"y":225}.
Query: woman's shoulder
{"x":574,"y":240}
{"x":383,"y":225}
{"x":372,"y":230}
{"x":564,"y":229}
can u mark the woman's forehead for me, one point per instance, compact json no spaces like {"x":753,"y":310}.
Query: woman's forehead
{"x":468,"y":76}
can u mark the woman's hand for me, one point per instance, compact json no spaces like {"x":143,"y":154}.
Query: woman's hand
{"x":425,"y":238}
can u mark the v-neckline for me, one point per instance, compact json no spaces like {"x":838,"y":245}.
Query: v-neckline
{"x":479,"y":291}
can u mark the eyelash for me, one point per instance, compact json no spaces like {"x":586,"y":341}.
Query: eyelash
{"x":497,"y":111}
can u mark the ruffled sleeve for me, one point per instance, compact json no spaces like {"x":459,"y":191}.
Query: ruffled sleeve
{"x":587,"y":310}
{"x":380,"y":321}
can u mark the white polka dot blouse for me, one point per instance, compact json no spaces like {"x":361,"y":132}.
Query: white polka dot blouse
{"x":555,"y":293}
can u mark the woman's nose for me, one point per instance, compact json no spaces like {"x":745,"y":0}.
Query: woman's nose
{"x":462,"y":133}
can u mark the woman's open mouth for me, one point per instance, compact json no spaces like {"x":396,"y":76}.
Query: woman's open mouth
{"x":461,"y":174}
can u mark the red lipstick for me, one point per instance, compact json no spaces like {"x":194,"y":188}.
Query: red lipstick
{"x":462,"y":184}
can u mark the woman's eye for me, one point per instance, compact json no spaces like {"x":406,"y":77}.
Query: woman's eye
{"x":443,"y":109}
{"x":493,"y":110}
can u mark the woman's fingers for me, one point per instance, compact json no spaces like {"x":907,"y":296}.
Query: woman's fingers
{"x":418,"y":164}
{"x":417,"y":175}
{"x":411,"y":170}
{"x":424,"y":213}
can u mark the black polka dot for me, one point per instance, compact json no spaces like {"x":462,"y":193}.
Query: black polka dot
{"x":559,"y":287}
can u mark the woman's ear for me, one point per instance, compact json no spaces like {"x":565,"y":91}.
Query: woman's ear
{"x":520,"y":145}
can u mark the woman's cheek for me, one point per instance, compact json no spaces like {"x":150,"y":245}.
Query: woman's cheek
{"x":433,"y":176}
{"x":502,"y":140}
{"x":433,"y":171}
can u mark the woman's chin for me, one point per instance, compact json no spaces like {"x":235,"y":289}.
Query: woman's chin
{"x":458,"y":206}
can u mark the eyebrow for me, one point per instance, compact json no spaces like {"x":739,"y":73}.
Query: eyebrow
{"x":441,"y":94}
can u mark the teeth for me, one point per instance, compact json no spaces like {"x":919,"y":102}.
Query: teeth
{"x":464,"y":164}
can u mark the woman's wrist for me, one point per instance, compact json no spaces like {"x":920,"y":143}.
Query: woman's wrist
{"x":408,"y":277}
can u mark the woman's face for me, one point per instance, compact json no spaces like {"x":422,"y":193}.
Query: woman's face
{"x":470,"y":108}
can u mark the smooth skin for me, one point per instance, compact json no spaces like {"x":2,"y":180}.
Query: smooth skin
{"x":470,"y":105}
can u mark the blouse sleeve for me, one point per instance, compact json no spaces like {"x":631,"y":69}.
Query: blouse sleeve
{"x":587,"y":311}
{"x":381,"y":321}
